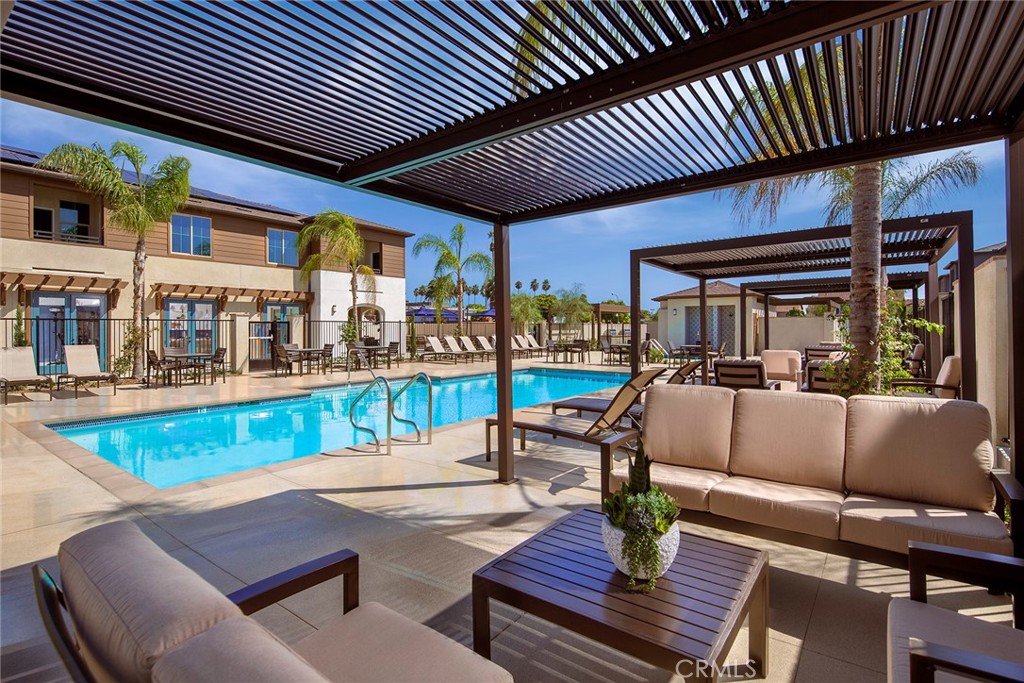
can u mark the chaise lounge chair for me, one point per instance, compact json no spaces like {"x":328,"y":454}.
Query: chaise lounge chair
{"x":457,"y":351}
{"x":686,"y":373}
{"x":605,"y":431}
{"x":471,"y":347}
{"x":83,"y":361}
{"x":435,"y":350}
{"x":18,"y":368}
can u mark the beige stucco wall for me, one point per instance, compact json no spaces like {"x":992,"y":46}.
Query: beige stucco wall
{"x":992,"y":341}
{"x":797,"y":333}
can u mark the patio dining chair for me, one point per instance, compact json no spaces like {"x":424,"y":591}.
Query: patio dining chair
{"x":283,"y":360}
{"x":83,"y":365}
{"x":18,"y":368}
{"x":915,"y":361}
{"x":218,"y":362}
{"x":743,"y":374}
{"x":158,"y":368}
{"x":395,"y":353}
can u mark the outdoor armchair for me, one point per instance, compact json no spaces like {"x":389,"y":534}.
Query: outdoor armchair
{"x":139,"y":615}
{"x":743,"y":374}
{"x":818,"y":380}
{"x":18,"y":368}
{"x":782,"y":365}
{"x":83,"y":365}
{"x":915,"y":361}
{"x":925,"y":639}
{"x":945,"y":385}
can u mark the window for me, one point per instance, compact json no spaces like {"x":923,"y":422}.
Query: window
{"x":372,"y":256}
{"x":74,"y":219}
{"x":190,"y":235}
{"x":281,"y":247}
{"x":42,"y":223}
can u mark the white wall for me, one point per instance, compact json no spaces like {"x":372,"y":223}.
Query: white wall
{"x":332,"y":290}
{"x":797,"y":333}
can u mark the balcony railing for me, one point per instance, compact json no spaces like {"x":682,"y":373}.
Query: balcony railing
{"x":67,"y":237}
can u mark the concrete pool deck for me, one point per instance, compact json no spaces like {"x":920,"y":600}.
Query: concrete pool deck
{"x":422,"y":520}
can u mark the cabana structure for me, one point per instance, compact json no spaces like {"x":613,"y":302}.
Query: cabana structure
{"x":766,"y":289}
{"x":516,"y":111}
{"x":905,"y":241}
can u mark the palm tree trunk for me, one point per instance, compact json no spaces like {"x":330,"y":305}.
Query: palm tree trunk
{"x":865,"y":275}
{"x":458,"y":296}
{"x":354,"y":316}
{"x":138,"y":300}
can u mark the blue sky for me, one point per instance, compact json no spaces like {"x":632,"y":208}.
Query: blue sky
{"x":591,"y":249}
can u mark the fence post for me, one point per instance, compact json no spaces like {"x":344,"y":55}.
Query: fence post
{"x":296,"y":327}
{"x":239,"y":342}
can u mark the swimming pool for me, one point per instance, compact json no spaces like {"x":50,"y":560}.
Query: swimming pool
{"x":177,"y":447}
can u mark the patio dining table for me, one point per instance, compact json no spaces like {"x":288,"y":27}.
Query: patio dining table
{"x":185,"y":357}
{"x":570,"y":349}
{"x":373,"y":354}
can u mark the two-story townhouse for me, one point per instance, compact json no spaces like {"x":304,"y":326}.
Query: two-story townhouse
{"x":219,"y":257}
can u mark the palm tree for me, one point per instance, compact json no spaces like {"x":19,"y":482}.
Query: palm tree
{"x":451,"y":262}
{"x":864,"y":195}
{"x":338,"y":243}
{"x":572,"y":305}
{"x":134,"y":207}
{"x":534,"y":286}
{"x":524,"y":311}
{"x":519,"y":285}
{"x":441,"y":291}
{"x":546,"y":286}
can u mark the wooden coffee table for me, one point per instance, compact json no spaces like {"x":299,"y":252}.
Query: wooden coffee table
{"x":687,"y":624}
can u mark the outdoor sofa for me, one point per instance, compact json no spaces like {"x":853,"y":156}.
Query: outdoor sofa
{"x":861,"y":477}
{"x":139,"y":615}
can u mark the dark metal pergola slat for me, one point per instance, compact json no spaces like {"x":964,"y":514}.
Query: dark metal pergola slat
{"x":447,"y":104}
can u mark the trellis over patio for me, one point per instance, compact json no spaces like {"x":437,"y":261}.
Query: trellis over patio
{"x":766,"y":289}
{"x":485,"y":115}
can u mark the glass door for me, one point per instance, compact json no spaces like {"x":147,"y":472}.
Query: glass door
{"x":190,"y":325}
{"x":59,"y":319}
{"x":277,"y":315}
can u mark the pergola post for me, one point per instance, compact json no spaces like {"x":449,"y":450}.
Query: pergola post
{"x":634,"y":314}
{"x":916,"y":306}
{"x":503,"y":353}
{"x":743,"y":322}
{"x":767,"y":317}
{"x":933,"y":348}
{"x":705,"y":367}
{"x":968,"y":341}
{"x":1015,"y":284}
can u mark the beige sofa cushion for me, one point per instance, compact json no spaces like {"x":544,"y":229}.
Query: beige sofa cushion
{"x":689,"y":425}
{"x":372,"y":644}
{"x":237,"y":649}
{"x":131,"y":602}
{"x":687,"y":485}
{"x":920,"y":449}
{"x":909,"y":619}
{"x":793,"y":438}
{"x":783,"y":506}
{"x":782,"y":365}
{"x":892,"y":524}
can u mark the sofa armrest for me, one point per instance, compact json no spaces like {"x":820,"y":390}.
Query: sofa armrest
{"x":927,"y":658}
{"x":925,"y":384}
{"x":275,"y":588}
{"x":608,"y":448}
{"x":999,"y":573}
{"x":1010,"y":498}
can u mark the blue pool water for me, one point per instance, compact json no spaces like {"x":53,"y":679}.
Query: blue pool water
{"x":181,"y":446}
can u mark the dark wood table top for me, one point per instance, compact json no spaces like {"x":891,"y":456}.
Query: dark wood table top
{"x":564,"y":575}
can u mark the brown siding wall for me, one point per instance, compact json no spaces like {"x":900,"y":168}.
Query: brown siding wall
{"x":15,"y":194}
{"x":392,"y":253}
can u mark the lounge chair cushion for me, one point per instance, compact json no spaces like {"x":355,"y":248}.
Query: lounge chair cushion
{"x":792,"y":438}
{"x":131,"y":602}
{"x":237,"y":649}
{"x":803,"y":509}
{"x":892,"y":524}
{"x":689,"y":425}
{"x":374,"y":644}
{"x":782,"y":365}
{"x":687,"y":485}
{"x":922,"y":450}
{"x":910,"y":619}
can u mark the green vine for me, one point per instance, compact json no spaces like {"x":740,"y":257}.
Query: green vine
{"x":134,"y":339}
{"x":897,"y":336}
{"x":645,"y":513}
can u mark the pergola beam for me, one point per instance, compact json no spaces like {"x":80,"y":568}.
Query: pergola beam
{"x":786,"y":29}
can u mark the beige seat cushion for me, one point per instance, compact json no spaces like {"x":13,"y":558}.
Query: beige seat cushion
{"x":237,"y":649}
{"x":782,"y":365}
{"x":892,"y":524}
{"x":372,"y":644}
{"x":923,"y":450}
{"x":130,"y":602}
{"x":790,"y":438}
{"x":909,"y":619}
{"x":689,"y":425}
{"x":687,"y":485}
{"x":783,"y":506}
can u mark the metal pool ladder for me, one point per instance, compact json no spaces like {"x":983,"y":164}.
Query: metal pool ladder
{"x":430,"y":408}
{"x":352,"y":411}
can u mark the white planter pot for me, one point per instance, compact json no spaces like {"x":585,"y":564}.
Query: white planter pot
{"x":668,"y":546}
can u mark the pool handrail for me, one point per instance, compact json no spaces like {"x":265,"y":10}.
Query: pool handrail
{"x":430,"y":407}
{"x":352,"y":412}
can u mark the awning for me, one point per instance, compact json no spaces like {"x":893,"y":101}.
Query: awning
{"x":30,"y":282}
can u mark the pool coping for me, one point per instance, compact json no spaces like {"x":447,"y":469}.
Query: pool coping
{"x":132,"y":490}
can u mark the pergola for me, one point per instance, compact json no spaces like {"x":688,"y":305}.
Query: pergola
{"x":516,"y":111}
{"x":905,"y":241}
{"x":766,"y":289}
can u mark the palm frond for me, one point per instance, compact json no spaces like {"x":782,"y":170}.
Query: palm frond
{"x":167,"y":188}
{"x":91,"y":168}
{"x":917,"y":188}
{"x":337,"y":238}
{"x":478,"y":261}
